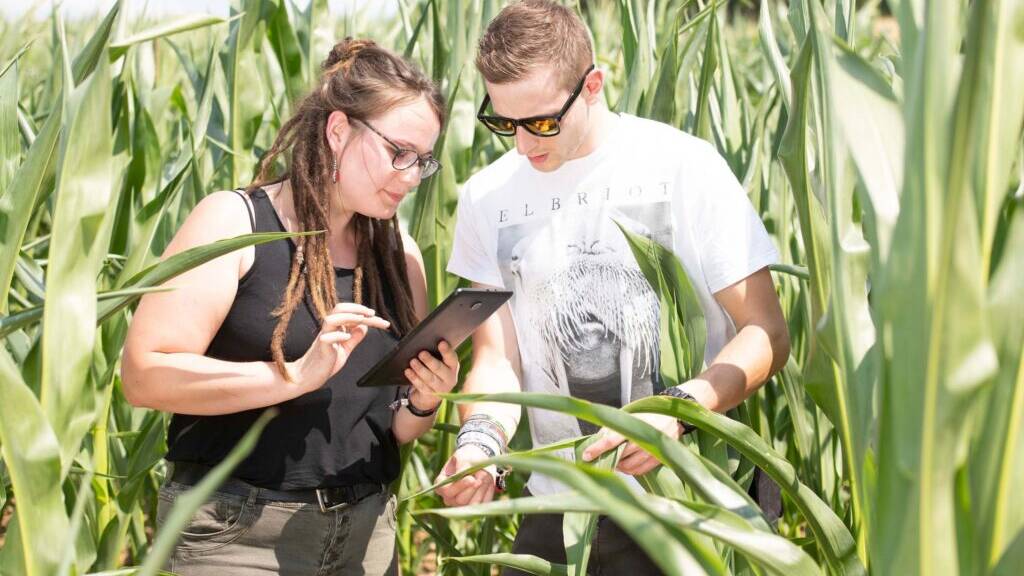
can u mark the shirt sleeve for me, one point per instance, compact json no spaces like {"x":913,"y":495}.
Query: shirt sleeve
{"x":731,"y":239}
{"x":472,"y":256}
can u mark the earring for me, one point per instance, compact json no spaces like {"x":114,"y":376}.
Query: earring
{"x":335,"y":173}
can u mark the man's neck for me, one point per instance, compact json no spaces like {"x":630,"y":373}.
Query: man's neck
{"x":602,"y":121}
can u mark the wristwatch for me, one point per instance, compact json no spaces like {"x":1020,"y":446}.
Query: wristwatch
{"x":677,"y":392}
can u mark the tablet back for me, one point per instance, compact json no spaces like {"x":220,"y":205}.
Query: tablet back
{"x":452,"y":321}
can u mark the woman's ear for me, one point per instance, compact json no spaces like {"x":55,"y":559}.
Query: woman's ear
{"x":338,"y":130}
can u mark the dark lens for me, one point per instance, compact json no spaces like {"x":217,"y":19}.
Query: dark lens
{"x":502,"y":126}
{"x":542,"y":126}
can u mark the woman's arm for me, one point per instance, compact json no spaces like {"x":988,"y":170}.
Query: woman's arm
{"x":163,"y":365}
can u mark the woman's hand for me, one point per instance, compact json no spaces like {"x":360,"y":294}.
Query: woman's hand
{"x":342,"y":330}
{"x":430,"y":376}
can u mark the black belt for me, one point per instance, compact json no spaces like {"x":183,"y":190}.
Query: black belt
{"x":327,"y":499}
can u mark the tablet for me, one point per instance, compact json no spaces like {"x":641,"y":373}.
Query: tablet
{"x":452,"y":321}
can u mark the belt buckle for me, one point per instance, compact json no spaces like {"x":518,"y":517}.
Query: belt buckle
{"x":324,"y":508}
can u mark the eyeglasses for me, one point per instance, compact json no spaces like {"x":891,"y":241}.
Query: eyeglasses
{"x":537,"y":125}
{"x":405,"y":158}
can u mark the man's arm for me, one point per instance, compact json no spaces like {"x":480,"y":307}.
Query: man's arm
{"x":759,"y":350}
{"x":495,"y":369}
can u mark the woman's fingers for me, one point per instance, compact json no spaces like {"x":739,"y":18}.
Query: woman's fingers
{"x":428,"y":360}
{"x":334,"y":337}
{"x":422,"y":390}
{"x":353,"y":308}
{"x":357,"y":333}
{"x":422,"y":376}
{"x":448,"y":355}
{"x":445,"y":372}
{"x":346,"y":319}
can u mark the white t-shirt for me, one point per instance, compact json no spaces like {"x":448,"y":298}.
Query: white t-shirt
{"x":586,"y":320}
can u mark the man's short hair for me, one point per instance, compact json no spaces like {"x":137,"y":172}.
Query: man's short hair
{"x":533,"y":33}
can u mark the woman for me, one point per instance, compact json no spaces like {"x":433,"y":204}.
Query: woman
{"x":293,"y":324}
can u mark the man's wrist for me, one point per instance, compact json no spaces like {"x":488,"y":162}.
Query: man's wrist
{"x":678,"y":392}
{"x":484,"y":430}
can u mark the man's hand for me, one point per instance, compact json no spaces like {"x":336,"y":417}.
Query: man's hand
{"x":634,"y":460}
{"x":475,"y":488}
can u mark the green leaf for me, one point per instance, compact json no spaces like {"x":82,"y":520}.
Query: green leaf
{"x":765,"y":548}
{"x":86,"y":60}
{"x":525,"y":562}
{"x":78,"y":244}
{"x":996,"y":460}
{"x":22,"y":196}
{"x":285,"y":43}
{"x":186,"y":260}
{"x":770,"y":49}
{"x":658,"y":538}
{"x":147,"y":221}
{"x":833,"y":537}
{"x":176,"y":25}
{"x":709,"y":482}
{"x":33,"y":457}
{"x":683,"y":330}
{"x":871,"y":121}
{"x":10,"y":140}
{"x":580,"y":527}
{"x":148,"y":280}
{"x":29,"y":316}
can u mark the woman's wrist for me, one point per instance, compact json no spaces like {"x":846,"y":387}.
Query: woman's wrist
{"x":299,"y":377}
{"x":422,"y":402}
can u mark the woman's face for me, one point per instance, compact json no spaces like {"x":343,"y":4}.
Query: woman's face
{"x":368,"y":183}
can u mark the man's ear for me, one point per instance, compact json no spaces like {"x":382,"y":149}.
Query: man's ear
{"x":337,"y":131}
{"x":593,"y":85}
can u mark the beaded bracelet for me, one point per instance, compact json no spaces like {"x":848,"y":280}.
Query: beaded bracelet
{"x":479,"y":438}
{"x":481,"y":417}
{"x":488,"y":450}
{"x":486,"y":427}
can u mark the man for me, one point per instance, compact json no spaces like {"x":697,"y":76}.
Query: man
{"x":541,"y":220}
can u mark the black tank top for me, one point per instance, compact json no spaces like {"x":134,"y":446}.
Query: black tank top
{"x":338,"y":435}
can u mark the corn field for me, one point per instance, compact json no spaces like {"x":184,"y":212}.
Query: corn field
{"x":881,"y":143}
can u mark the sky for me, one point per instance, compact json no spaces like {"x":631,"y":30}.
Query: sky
{"x":75,"y":9}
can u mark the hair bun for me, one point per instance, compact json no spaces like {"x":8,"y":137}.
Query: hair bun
{"x":344,"y":53}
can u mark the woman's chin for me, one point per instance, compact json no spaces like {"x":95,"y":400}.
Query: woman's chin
{"x":381,"y":213}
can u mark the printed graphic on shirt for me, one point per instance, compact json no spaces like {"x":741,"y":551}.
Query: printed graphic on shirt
{"x":586,"y":318}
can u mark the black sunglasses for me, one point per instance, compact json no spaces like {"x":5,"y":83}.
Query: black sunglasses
{"x":537,"y":125}
{"x":405,"y":158}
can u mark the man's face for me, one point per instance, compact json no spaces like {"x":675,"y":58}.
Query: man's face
{"x":539,"y":94}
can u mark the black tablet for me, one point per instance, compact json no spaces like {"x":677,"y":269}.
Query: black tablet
{"x":452,"y":321}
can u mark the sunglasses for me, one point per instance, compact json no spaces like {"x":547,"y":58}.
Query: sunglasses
{"x":405,"y":158}
{"x":544,"y":126}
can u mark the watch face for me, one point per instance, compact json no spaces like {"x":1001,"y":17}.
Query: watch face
{"x":675,"y":392}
